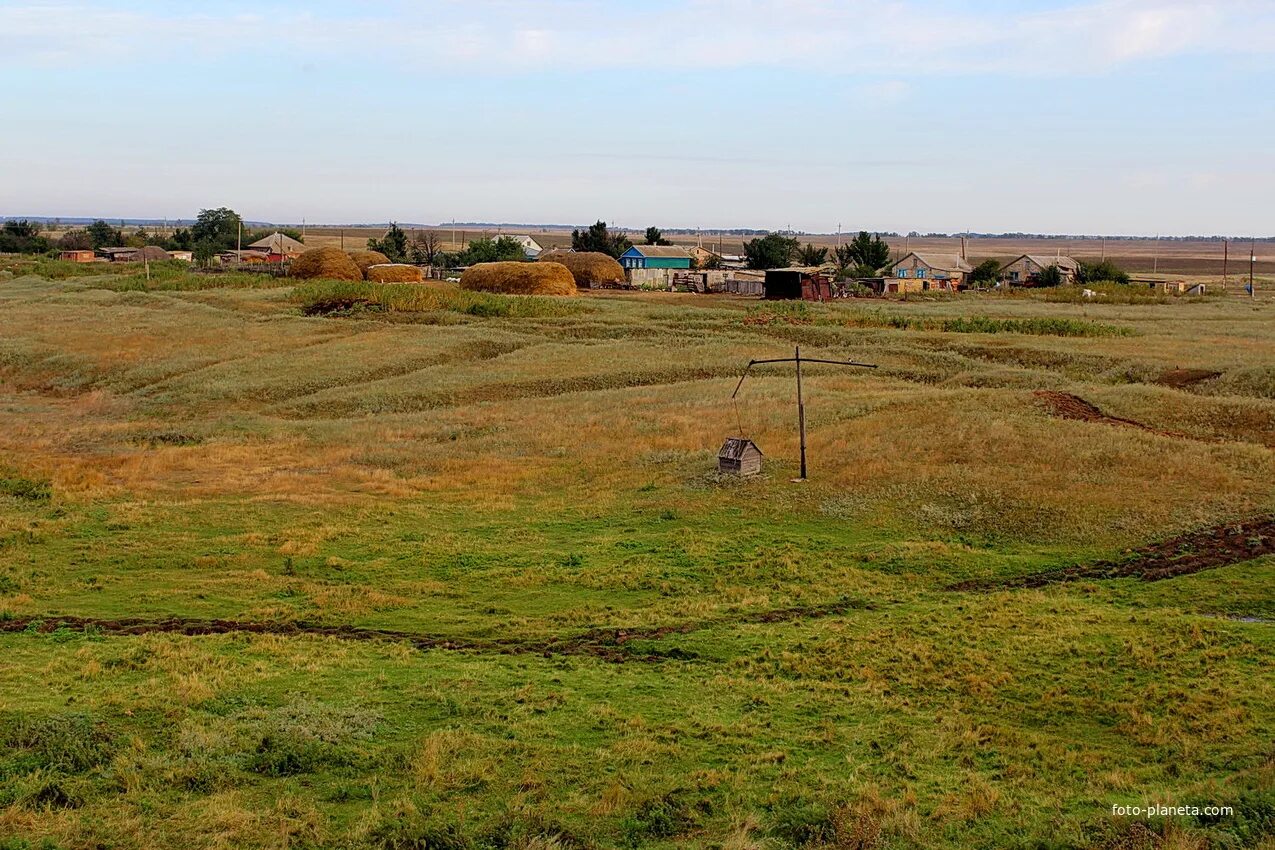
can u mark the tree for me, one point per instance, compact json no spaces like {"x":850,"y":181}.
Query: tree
{"x":426,"y":248}
{"x":770,"y":252}
{"x":598,"y":238}
{"x":1050,"y":276}
{"x":655,"y":237}
{"x":181,"y":240}
{"x":487,"y":250}
{"x":985,"y":272}
{"x":812,"y":256}
{"x":1101,"y":272}
{"x":220,"y":226}
{"x":865,"y":251}
{"x":102,"y":234}
{"x":75,"y":240}
{"x":22,"y":237}
{"x":205,"y":250}
{"x":393,"y":244}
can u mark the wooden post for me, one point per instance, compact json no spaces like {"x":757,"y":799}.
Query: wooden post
{"x":1252,"y":263}
{"x":801,"y":416}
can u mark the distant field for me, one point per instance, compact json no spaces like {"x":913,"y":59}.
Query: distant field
{"x":463,"y":576}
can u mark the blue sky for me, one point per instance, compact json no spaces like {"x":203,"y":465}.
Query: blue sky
{"x":1110,"y":116}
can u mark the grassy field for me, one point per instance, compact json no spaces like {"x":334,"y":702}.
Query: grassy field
{"x":404,"y":567}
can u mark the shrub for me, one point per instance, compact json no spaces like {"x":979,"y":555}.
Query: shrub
{"x":27,"y":489}
{"x":67,"y":743}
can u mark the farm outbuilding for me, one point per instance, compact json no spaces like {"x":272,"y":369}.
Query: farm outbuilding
{"x":278,"y":247}
{"x":1028,"y":268}
{"x":924,"y":272}
{"x":77,"y":256}
{"x":797,"y":283}
{"x":739,"y":456}
{"x":656,"y":257}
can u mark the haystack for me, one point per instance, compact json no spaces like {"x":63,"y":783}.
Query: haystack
{"x":329,"y":263}
{"x":589,"y":268}
{"x":364,"y":259}
{"x":395,"y":273}
{"x":520,"y":278}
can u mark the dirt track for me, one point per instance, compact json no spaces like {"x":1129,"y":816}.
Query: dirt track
{"x":606,"y":644}
{"x":1197,"y":551}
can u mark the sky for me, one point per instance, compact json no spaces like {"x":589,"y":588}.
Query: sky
{"x":1135,"y":117}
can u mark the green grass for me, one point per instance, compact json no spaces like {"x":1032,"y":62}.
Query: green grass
{"x":325,"y":297}
{"x":610,"y":646}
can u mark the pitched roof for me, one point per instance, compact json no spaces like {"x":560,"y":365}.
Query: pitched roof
{"x":278,"y":243}
{"x":662,"y":251}
{"x":942,"y":262}
{"x":1064,"y":263}
{"x":734,"y":448}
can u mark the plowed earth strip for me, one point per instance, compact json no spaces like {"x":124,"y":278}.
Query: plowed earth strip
{"x":1068,"y":406}
{"x":1197,"y":551}
{"x":607,"y":644}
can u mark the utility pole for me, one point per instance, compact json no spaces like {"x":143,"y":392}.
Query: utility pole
{"x":1226,"y":251}
{"x":1252,"y":264}
{"x":801,"y":404}
{"x":1155,"y":256}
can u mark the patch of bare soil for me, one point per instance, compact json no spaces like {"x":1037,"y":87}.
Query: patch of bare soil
{"x":1194,"y":552}
{"x":606,"y":644}
{"x":1068,"y":406}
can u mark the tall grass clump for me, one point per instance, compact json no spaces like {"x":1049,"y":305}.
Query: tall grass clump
{"x":1041,"y":326}
{"x":326,"y":297}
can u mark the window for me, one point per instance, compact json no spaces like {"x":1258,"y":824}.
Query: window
{"x":920,"y":272}
{"x":901,"y":272}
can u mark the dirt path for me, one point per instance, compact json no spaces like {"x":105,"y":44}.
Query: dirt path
{"x":1197,"y":551}
{"x":607,"y":644}
{"x":1068,"y":406}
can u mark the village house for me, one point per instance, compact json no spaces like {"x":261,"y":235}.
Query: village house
{"x":1027,"y":269}
{"x":924,"y":272}
{"x":530,"y":247}
{"x":277,"y":247}
{"x":656,"y":257}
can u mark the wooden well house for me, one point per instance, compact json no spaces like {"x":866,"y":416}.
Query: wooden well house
{"x":739,"y":456}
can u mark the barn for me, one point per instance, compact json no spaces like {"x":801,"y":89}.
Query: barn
{"x":739,"y":456}
{"x":656,"y":257}
{"x":77,"y":256}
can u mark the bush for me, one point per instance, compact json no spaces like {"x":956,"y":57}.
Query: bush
{"x":67,"y":743}
{"x":27,"y":489}
{"x":1101,"y":272}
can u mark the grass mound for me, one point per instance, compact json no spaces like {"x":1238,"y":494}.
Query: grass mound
{"x":323,"y":298}
{"x":589,"y":269}
{"x":366,"y":259}
{"x":520,"y":279}
{"x":395,"y":273}
{"x":329,"y":263}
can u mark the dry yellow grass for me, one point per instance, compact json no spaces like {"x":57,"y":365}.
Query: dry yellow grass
{"x":395,"y":273}
{"x":589,"y":268}
{"x":325,"y":263}
{"x":520,"y":279}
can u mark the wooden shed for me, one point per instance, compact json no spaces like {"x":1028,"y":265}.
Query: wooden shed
{"x":793,"y":283}
{"x":77,"y":256}
{"x":739,"y":456}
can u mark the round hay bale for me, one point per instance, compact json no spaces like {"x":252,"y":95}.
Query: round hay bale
{"x":330,"y":263}
{"x":395,"y":273}
{"x":589,"y":268}
{"x":520,"y":278}
{"x":364,"y":259}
